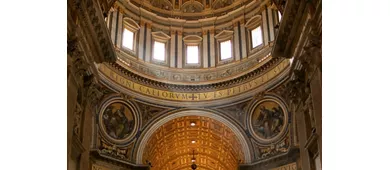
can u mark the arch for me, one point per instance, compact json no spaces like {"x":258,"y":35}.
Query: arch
{"x":240,"y":134}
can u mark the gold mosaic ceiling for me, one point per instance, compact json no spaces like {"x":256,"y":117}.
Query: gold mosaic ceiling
{"x":171,"y":146}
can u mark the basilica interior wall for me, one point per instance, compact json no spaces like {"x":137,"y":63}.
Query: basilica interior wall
{"x":265,"y":101}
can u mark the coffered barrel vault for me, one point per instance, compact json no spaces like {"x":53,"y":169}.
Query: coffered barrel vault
{"x":215,"y":145}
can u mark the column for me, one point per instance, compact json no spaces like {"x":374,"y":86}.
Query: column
{"x":120,"y":28}
{"x":243,"y":39}
{"x":271,"y":23}
{"x":179,"y":49}
{"x":236,"y":41}
{"x":265,"y":26}
{"x":212,"y":48}
{"x":71,"y":100}
{"x":304,"y":155}
{"x":316,"y":94}
{"x":172,"y":59}
{"x":87,"y":137}
{"x":148,"y":42}
{"x":141,"y":41}
{"x":205,"y":54}
{"x":113,"y":25}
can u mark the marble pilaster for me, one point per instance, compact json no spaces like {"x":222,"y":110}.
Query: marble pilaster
{"x":179,"y":49}
{"x":205,"y":52}
{"x":243,"y":39}
{"x":114,"y":25}
{"x":148,"y":42}
{"x":236,"y":41}
{"x":271,"y":23}
{"x":141,"y":41}
{"x":264,"y":28}
{"x":212,"y":48}
{"x":172,"y":59}
{"x":120,"y":29}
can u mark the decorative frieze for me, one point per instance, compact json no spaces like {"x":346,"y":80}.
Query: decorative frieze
{"x":266,"y":152}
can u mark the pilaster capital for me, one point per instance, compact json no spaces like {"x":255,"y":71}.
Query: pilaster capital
{"x":235,"y":24}
{"x":148,"y":25}
{"x":121,"y":10}
{"x":242,"y":22}
{"x":204,"y":32}
{"x":262,"y":8}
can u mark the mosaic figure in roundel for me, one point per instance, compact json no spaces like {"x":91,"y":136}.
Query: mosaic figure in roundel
{"x":268,"y":119}
{"x":118,"y":121}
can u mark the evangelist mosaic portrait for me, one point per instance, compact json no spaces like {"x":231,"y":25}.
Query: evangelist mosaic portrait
{"x":268,"y":119}
{"x":118,"y":121}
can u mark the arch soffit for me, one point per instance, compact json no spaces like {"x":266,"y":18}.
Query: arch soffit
{"x":236,"y":129}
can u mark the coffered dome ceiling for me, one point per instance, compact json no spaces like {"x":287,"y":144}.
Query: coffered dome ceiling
{"x":171,"y":146}
{"x":190,"y":9}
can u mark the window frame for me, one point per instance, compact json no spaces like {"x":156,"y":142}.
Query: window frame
{"x":132,"y":26}
{"x":262,"y":37}
{"x":221,"y":37}
{"x":192,"y":40}
{"x":133,"y":43}
{"x":252,"y":24}
{"x":186,"y":56}
{"x":231,"y":50}
{"x":165,"y":49}
{"x":160,"y":37}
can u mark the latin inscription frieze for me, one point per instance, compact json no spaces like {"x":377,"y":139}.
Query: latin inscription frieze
{"x":197,"y":96}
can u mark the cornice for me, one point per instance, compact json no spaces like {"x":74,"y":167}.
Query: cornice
{"x":264,"y":81}
{"x":194,"y":76}
{"x":193,"y":87}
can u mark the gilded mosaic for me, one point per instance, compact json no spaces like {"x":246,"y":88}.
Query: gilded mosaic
{"x":268,"y":120}
{"x":117,"y":121}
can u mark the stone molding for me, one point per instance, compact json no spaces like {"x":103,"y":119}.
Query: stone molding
{"x":191,"y":76}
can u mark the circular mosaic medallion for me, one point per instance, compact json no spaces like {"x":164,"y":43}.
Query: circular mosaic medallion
{"x":117,"y":121}
{"x":268,"y":120}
